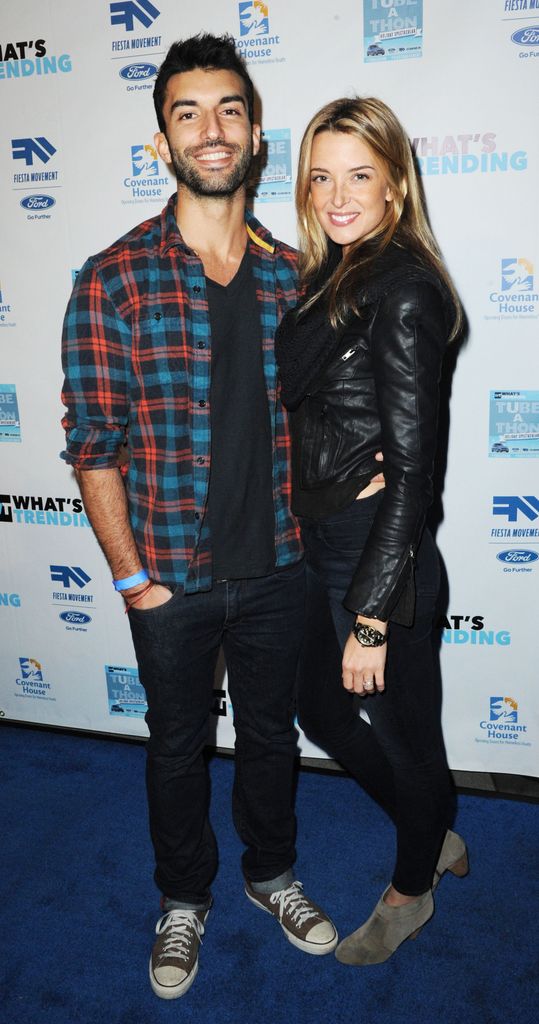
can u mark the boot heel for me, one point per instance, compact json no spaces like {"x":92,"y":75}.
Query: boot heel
{"x":460,"y":867}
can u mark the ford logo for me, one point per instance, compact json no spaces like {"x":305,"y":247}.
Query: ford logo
{"x":526,"y":36}
{"x":37,"y":202}
{"x":75,"y":618}
{"x":137,"y":72}
{"x":518,"y":556}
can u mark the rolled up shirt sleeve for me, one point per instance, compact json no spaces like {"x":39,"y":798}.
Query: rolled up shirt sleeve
{"x":96,"y":359}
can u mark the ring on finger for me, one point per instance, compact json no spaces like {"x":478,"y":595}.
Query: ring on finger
{"x":368,"y":683}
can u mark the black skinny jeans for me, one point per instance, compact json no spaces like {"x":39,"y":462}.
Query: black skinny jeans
{"x":399,"y":758}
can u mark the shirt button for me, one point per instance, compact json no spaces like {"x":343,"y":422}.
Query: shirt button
{"x":200,"y":460}
{"x":202,"y":403}
{"x":157,"y":316}
{"x":197,"y":515}
{"x":197,"y":289}
{"x":201,"y":344}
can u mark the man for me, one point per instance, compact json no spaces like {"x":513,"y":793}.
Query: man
{"x":168,"y":346}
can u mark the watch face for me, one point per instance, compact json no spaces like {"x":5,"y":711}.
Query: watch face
{"x":364,"y":636}
{"x":367,"y":636}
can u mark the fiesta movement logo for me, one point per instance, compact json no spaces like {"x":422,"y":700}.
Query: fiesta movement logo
{"x":66,"y":574}
{"x":511,"y":506}
{"x":29,"y":150}
{"x":128,"y":16}
{"x":127,"y":12}
{"x":26,"y":149}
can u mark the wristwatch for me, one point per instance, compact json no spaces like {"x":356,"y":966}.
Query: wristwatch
{"x":367,"y":636}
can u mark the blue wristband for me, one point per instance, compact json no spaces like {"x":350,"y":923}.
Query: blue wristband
{"x":131,"y":581}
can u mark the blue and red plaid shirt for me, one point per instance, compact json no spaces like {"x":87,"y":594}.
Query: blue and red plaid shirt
{"x":137,"y":363}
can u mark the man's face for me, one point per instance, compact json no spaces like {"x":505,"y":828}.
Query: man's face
{"x":209,"y":139}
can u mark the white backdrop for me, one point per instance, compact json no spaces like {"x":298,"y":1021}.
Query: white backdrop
{"x":78,"y":169}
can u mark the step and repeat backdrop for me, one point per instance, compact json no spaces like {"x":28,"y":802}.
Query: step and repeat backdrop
{"x":79,"y":168}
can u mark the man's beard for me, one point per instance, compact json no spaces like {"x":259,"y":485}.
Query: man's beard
{"x":217,"y":184}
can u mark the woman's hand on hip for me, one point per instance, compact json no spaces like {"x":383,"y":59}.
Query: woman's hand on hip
{"x":363,"y":667}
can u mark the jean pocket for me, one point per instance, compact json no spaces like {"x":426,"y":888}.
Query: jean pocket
{"x":154,"y":613}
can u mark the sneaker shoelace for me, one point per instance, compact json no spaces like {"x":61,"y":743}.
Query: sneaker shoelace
{"x":292,"y":902}
{"x":179,"y":925}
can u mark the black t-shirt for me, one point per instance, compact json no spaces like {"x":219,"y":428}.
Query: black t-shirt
{"x":240,"y":500}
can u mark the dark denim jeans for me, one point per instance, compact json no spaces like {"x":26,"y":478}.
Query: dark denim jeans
{"x":259,"y":623}
{"x":399,"y":758}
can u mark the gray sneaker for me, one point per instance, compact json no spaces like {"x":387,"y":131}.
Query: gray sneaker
{"x":303,"y":922}
{"x":174,"y":959}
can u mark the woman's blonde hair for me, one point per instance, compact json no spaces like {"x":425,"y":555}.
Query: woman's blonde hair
{"x":405,"y":220}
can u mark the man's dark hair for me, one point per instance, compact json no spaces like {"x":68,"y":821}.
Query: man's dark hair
{"x":210,"y":53}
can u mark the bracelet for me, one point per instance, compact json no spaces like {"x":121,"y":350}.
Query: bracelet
{"x":129,"y":604}
{"x":131,"y":581}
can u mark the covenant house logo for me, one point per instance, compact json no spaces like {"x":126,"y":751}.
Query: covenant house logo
{"x":503,"y":725}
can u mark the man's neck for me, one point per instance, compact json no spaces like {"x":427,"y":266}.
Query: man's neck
{"x":215,"y":230}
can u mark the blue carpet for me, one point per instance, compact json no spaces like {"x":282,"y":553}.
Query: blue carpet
{"x":79,"y":908}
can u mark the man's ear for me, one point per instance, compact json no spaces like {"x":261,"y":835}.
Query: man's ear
{"x":256,"y":138}
{"x":162,"y":147}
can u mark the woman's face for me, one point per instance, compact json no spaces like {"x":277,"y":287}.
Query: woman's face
{"x":349,"y":191}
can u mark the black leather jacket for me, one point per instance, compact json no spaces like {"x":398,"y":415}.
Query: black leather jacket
{"x":377,"y":391}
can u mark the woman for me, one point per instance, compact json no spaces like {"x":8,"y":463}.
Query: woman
{"x":360,"y":362}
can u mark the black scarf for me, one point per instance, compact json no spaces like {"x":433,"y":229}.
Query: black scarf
{"x":304,"y":344}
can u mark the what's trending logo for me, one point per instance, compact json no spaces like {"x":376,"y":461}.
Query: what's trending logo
{"x":502,"y":724}
{"x":26,"y":58}
{"x":515,"y":298}
{"x":130,"y":16}
{"x":470,"y":629}
{"x":32,"y":510}
{"x":254,"y":43}
{"x":145,"y":185}
{"x":31,"y":682}
{"x":466,"y":153}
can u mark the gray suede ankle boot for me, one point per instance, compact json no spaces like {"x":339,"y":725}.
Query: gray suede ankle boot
{"x":384,"y":931}
{"x":453,"y":857}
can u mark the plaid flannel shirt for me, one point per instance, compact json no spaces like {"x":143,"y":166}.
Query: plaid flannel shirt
{"x":137,"y":363}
